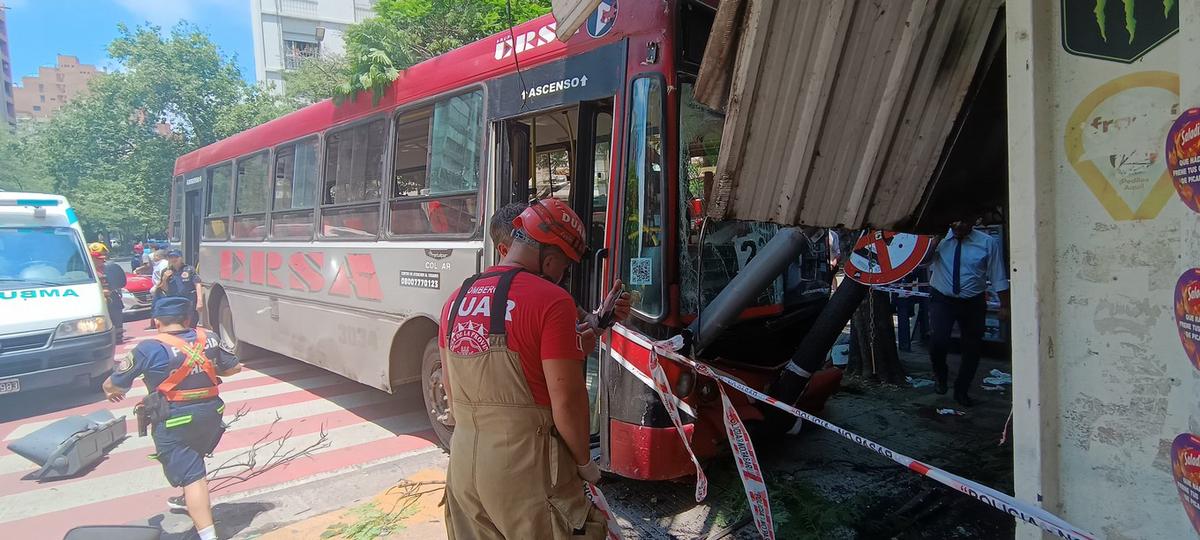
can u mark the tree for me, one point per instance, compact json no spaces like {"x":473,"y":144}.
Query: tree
{"x":113,"y":151}
{"x":22,"y":165}
{"x":406,"y":32}
{"x":317,"y":78}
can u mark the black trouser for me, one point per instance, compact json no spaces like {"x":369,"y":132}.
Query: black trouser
{"x":116,"y":313}
{"x":970,"y":314}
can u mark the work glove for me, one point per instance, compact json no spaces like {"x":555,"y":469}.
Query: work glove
{"x":589,"y":472}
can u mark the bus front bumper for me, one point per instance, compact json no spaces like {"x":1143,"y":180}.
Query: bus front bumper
{"x":68,"y":361}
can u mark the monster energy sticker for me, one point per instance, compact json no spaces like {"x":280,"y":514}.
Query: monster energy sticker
{"x":1117,"y":30}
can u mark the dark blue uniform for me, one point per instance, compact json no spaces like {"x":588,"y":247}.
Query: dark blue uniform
{"x":182,"y":283}
{"x":193,"y":428}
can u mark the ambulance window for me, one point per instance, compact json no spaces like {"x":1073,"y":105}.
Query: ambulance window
{"x":642,"y":234}
{"x":220,"y":186}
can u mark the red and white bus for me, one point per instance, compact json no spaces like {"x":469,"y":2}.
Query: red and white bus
{"x":335,"y":233}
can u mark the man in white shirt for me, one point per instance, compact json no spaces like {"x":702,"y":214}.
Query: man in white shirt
{"x":964,"y":263}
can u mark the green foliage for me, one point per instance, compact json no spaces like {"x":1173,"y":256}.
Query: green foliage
{"x":112,"y":152}
{"x":372,"y":522}
{"x":406,"y":32}
{"x":22,"y":163}
{"x":316,"y":79}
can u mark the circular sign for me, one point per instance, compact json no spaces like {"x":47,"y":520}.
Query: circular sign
{"x":603,"y":19}
{"x":1187,"y":314}
{"x":1185,"y":468}
{"x":882,"y":257}
{"x":1183,"y":157}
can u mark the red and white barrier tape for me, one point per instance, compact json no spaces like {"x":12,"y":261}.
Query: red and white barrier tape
{"x":747,"y":462}
{"x":904,"y":292}
{"x":597,"y":498}
{"x":1000,"y":501}
{"x":663,"y":387}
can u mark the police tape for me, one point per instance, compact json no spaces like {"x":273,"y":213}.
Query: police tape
{"x":1005,"y":503}
{"x":663,"y":387}
{"x":597,"y":497}
{"x":902,"y":291}
{"x":747,"y":462}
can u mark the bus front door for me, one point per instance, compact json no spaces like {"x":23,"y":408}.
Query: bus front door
{"x":566,"y":154}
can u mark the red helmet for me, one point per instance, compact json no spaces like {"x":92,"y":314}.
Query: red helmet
{"x":551,"y":221}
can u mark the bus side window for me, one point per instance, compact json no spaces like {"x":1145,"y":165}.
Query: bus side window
{"x":250,"y":198}
{"x":353,"y":176}
{"x":295,"y":190}
{"x":435,"y":182}
{"x":220,"y":187}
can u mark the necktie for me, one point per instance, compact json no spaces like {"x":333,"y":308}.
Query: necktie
{"x":957,"y":264}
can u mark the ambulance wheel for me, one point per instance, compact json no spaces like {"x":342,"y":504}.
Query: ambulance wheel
{"x":437,"y":404}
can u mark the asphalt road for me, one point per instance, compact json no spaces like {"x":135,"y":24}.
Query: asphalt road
{"x":346,"y":440}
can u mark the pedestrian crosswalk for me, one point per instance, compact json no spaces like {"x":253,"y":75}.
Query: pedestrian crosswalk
{"x":282,"y":407}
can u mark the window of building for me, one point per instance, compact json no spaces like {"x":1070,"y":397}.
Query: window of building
{"x":220,"y":186}
{"x":296,"y":172}
{"x":250,"y":199}
{"x":295,"y":52}
{"x":41,"y":87}
{"x":642,"y":235}
{"x":41,"y":98}
{"x":435,"y":182}
{"x":353,"y":177}
{"x":37,"y":108}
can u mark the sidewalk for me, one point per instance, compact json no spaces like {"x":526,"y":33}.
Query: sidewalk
{"x":408,"y":510}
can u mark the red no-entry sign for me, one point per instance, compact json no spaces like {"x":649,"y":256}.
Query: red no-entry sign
{"x":881,"y":257}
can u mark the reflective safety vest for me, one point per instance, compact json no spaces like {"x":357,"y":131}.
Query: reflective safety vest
{"x":193,"y":356}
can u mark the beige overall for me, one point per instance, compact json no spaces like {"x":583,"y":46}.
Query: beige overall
{"x":511,"y":476}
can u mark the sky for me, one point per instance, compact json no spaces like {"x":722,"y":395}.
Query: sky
{"x":38,"y":30}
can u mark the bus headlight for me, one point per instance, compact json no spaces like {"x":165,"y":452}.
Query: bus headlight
{"x":82,"y":327}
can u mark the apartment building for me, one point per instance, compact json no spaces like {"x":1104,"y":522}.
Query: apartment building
{"x":288,"y":31}
{"x":42,"y":96}
{"x":10,"y":111}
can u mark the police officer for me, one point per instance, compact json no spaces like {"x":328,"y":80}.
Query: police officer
{"x":514,"y":365}
{"x":181,"y":280}
{"x":180,"y":368}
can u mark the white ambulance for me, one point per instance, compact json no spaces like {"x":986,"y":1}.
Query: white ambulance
{"x":54,"y":324}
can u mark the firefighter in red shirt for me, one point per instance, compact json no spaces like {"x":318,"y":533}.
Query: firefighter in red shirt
{"x":520,"y":450}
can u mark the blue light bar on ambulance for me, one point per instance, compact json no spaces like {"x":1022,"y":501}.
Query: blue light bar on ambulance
{"x":29,"y":202}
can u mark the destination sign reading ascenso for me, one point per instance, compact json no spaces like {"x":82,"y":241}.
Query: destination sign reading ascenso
{"x":557,"y":86}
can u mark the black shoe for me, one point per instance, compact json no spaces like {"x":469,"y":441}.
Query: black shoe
{"x":940,"y":386}
{"x":963,"y":399}
{"x":177,"y":503}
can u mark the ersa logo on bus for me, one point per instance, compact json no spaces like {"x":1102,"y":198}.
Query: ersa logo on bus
{"x":306,"y":271}
{"x":509,"y":45}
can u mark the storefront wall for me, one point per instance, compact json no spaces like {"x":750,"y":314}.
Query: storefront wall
{"x":1099,"y":240}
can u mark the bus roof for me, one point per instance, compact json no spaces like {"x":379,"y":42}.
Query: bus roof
{"x":534,"y":42}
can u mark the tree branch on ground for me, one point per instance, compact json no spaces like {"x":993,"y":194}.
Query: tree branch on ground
{"x":245,"y":465}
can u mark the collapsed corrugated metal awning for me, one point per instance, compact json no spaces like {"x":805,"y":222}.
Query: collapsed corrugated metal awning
{"x":837,"y":111}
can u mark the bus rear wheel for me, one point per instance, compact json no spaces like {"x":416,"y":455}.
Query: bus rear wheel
{"x":433,"y":387}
